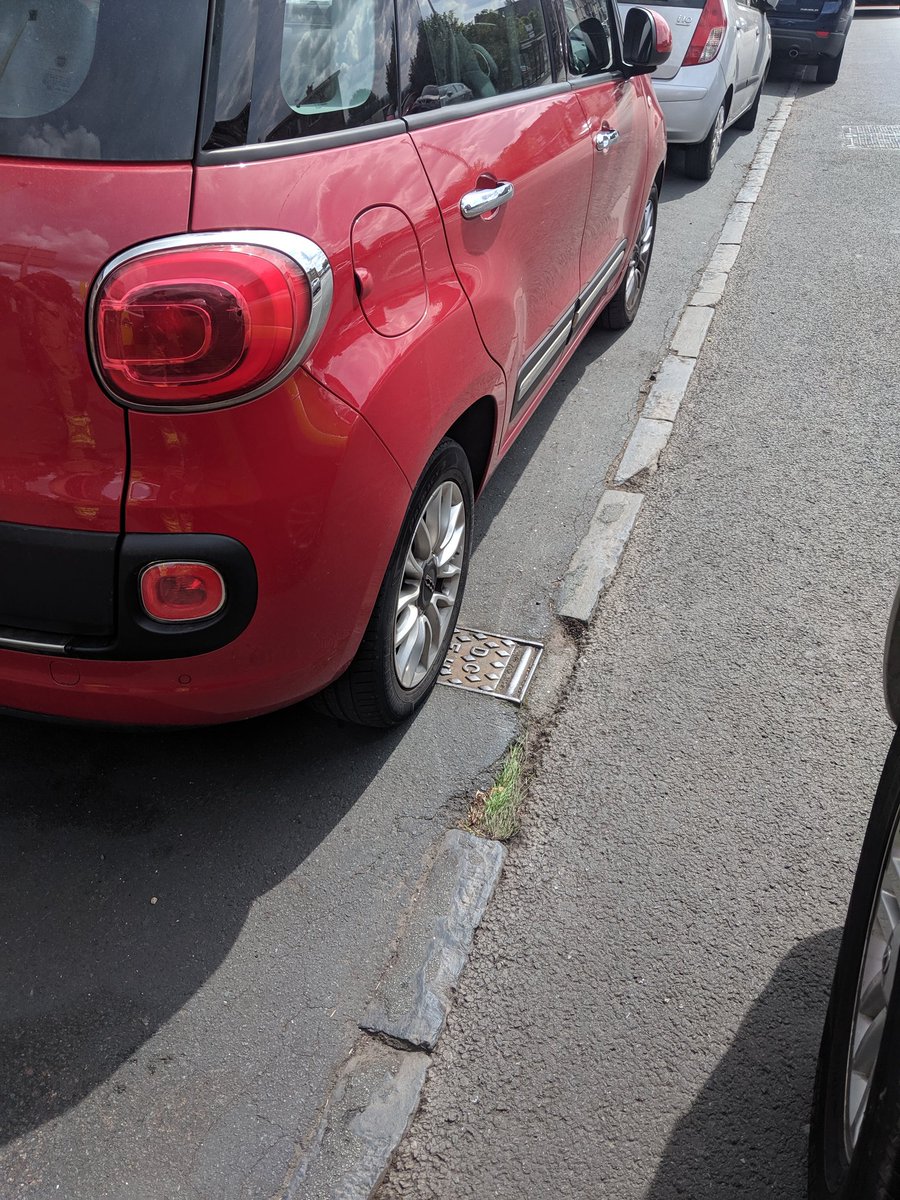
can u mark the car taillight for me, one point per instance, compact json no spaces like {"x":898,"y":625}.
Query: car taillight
{"x":200,"y":320}
{"x":708,"y":36}
{"x":181,"y":591}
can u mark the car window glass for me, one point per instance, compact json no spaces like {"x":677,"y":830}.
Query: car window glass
{"x":100,"y":79}
{"x":589,"y":45}
{"x":474,"y":49}
{"x":302,"y":67}
{"x":328,"y":56}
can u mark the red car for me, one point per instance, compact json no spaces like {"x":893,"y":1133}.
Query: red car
{"x":280,"y":284}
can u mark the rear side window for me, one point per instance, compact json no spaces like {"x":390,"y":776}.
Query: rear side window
{"x":473,"y":49}
{"x":301,"y":67}
{"x":100,"y":79}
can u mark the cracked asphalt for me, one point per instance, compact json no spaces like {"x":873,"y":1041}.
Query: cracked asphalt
{"x":641,"y":1014}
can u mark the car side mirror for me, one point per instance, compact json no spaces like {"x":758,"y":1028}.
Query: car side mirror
{"x":647,"y":41}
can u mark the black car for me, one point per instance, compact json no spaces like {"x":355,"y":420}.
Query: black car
{"x":854,"y":1141}
{"x":812,"y":31}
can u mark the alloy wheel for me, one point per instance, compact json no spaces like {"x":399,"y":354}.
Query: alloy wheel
{"x":715,"y":141}
{"x":873,"y":993}
{"x":429,"y":584}
{"x":640,"y":257}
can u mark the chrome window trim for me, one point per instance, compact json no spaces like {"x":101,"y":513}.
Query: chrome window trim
{"x":261,"y":151}
{"x":613,"y":75}
{"x":473,"y":108}
{"x":312,"y":260}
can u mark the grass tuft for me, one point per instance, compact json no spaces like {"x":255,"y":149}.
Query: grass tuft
{"x":497,"y":812}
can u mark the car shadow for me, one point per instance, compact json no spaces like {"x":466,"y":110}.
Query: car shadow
{"x":128,"y":864}
{"x":745,"y":1135}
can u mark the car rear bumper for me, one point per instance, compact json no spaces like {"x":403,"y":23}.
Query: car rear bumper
{"x":806,"y":46}
{"x":305,"y":502}
{"x":690,"y":102}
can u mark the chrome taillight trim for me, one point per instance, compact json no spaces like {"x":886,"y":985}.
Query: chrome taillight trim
{"x":178,"y":562}
{"x":309,"y":257}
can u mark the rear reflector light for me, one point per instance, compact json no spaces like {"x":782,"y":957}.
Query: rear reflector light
{"x":181,"y":591}
{"x":708,"y":36}
{"x":201,"y":320}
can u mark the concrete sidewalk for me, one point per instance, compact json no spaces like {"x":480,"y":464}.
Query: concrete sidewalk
{"x":642,"y":1011}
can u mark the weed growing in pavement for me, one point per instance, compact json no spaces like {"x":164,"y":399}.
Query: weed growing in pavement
{"x":496,"y":813}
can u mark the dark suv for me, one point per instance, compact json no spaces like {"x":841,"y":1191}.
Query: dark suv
{"x":812,"y":31}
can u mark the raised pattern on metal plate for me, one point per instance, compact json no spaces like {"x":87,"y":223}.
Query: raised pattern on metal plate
{"x":490,"y":663}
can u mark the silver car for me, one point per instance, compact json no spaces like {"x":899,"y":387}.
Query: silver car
{"x":721,"y":50}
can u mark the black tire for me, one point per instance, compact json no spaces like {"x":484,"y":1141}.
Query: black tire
{"x":623,"y":307}
{"x":747,"y":120}
{"x":872,"y":1170}
{"x":700,"y":159}
{"x":369,"y":692}
{"x":829,"y":69}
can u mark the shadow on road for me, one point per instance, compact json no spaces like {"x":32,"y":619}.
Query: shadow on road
{"x":94,"y":826}
{"x":745,"y":1136}
{"x":490,"y":505}
{"x":97,"y":824}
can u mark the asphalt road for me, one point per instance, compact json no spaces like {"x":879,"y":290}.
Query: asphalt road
{"x":192,"y":924}
{"x":641,"y":1015}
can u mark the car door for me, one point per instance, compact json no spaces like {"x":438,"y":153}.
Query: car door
{"x":750,"y":53}
{"x":618,"y":135}
{"x":504,"y":147}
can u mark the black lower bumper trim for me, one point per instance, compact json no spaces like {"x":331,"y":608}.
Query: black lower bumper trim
{"x":74,"y":593}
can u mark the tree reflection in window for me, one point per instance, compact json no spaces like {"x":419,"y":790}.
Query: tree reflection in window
{"x":486,"y":52}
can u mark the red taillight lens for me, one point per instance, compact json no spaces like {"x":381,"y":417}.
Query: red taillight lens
{"x":181,"y":591}
{"x":708,"y":36}
{"x":206,"y":322}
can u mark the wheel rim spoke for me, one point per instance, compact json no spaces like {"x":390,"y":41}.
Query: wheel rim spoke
{"x":409,"y":652}
{"x":717,"y":136}
{"x":872,"y":999}
{"x":866,"y":1052}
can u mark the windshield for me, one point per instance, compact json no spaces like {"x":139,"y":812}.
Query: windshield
{"x":100,"y":79}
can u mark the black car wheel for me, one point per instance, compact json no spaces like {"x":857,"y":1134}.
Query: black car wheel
{"x":700,"y":160}
{"x":829,"y":68}
{"x":623,"y":307}
{"x":854,"y":1141}
{"x":406,"y":640}
{"x":747,"y":119}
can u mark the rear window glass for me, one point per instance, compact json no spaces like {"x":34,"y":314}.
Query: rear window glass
{"x":100,"y":79}
{"x":301,"y":67}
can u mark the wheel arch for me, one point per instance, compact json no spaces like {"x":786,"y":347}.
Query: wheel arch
{"x":475,"y":430}
{"x":659,"y":177}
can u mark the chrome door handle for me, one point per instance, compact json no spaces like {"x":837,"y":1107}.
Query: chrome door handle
{"x":485,"y":200}
{"x":604,"y":139}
